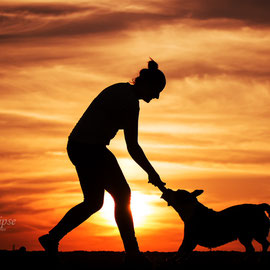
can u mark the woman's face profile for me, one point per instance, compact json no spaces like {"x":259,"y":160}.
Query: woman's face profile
{"x":149,"y":93}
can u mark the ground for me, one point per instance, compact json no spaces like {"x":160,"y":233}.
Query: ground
{"x":114,"y":260}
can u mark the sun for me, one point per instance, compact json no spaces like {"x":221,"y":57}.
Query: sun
{"x":140,"y":208}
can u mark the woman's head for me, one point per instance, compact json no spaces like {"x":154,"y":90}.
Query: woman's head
{"x":150,"y":82}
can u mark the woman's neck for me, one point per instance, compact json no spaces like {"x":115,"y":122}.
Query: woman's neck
{"x":136,"y":90}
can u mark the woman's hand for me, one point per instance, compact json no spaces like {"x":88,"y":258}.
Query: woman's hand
{"x":155,"y":180}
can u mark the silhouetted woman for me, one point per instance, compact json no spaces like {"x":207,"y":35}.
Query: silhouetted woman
{"x":116,"y":107}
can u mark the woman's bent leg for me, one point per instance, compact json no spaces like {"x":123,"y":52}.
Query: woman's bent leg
{"x":124,"y":220}
{"x":117,"y":186}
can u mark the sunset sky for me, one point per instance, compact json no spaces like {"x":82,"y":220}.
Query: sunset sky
{"x":209,"y":130}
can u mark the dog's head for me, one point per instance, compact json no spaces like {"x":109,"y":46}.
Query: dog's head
{"x":180,"y":197}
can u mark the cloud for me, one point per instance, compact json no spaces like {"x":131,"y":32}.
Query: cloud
{"x":212,"y":157}
{"x":16,"y":123}
{"x":25,"y":206}
{"x":33,"y":195}
{"x":250,"y":12}
{"x":66,"y":20}
{"x":25,"y":21}
{"x":201,"y":68}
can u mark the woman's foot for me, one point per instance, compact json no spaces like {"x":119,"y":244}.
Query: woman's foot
{"x":49,"y":244}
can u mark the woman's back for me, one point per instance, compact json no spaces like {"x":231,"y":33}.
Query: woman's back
{"x":108,"y":113}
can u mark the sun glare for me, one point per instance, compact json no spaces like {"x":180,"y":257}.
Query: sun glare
{"x":140,"y":208}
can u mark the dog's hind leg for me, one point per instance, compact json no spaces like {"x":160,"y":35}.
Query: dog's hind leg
{"x":264,"y":242}
{"x":247,"y":243}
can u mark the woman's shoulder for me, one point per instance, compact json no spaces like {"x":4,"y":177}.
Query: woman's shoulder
{"x":120,"y":86}
{"x":123,"y":95}
{"x":121,"y":91}
{"x":118,"y":96}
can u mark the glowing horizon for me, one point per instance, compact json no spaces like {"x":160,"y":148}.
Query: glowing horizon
{"x":209,"y":130}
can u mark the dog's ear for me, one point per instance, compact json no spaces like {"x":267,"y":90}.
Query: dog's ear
{"x":197,"y":192}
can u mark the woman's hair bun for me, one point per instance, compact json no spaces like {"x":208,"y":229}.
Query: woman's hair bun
{"x":151,"y":76}
{"x":152,"y":64}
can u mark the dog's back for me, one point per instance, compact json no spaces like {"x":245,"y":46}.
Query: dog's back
{"x":244,"y":222}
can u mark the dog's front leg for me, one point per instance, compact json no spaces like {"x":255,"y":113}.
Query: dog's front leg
{"x":186,"y":247}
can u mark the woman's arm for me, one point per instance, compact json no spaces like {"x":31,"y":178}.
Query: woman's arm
{"x":136,"y":152}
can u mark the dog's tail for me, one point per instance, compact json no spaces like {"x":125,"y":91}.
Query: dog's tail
{"x":266,"y":207}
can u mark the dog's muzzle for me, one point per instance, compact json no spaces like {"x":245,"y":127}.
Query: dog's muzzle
{"x":167,"y":196}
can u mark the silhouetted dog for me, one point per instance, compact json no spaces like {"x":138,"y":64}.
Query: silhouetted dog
{"x":208,"y":228}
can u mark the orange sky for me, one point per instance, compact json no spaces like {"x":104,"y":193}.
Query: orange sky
{"x":210,"y":129}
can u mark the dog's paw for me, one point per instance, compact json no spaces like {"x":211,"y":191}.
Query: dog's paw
{"x":177,"y":259}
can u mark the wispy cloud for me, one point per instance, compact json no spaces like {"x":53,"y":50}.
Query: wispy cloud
{"x":66,"y":20}
{"x":20,"y":122}
{"x":25,"y":21}
{"x":249,"y":12}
